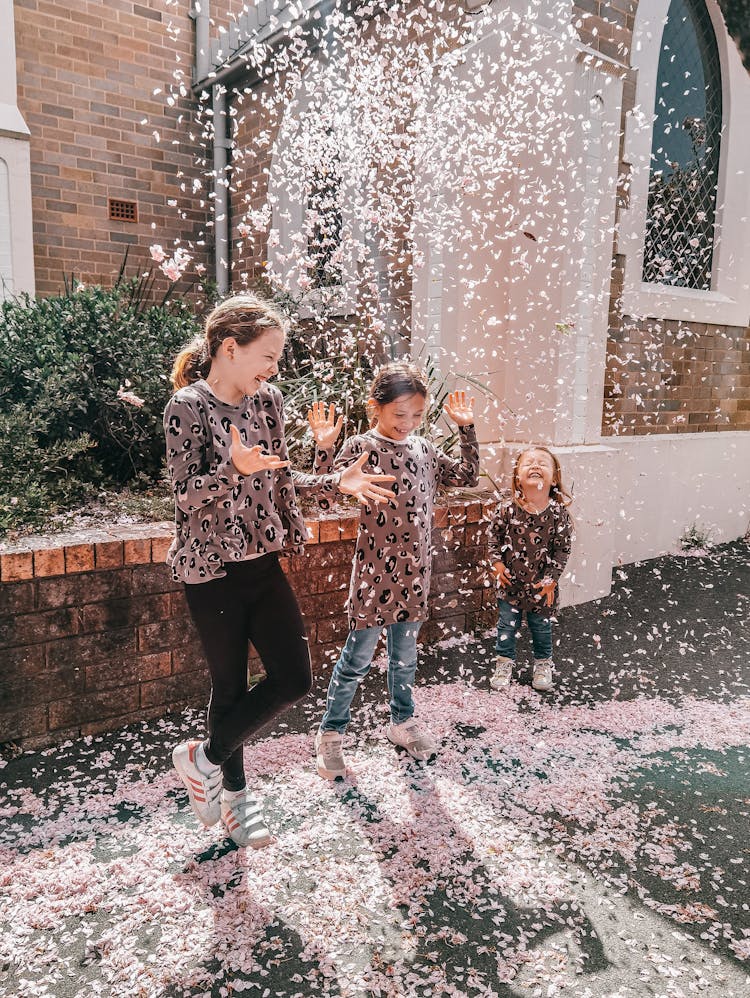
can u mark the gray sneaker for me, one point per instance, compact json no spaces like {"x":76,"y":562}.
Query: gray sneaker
{"x":203,"y":785}
{"x":242,"y":816}
{"x":414,"y":737}
{"x":503,"y":673}
{"x":542,"y":679}
{"x":329,"y":755}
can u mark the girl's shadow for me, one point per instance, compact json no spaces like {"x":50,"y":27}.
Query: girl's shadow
{"x":249,"y":943}
{"x":449,"y":904}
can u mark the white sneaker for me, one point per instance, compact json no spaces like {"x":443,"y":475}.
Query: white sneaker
{"x":414,"y":737}
{"x":542,"y":679}
{"x":242,"y":816}
{"x":329,"y":755}
{"x":503,"y":673}
{"x":203,"y":785}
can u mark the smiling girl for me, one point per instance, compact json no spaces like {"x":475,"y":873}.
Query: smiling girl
{"x":530,"y":539}
{"x":390,"y":580}
{"x":235,"y":510}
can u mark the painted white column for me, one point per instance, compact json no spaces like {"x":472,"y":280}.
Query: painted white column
{"x":16,"y":232}
{"x":533,"y":325}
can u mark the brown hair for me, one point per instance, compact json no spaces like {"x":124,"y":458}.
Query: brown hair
{"x":245,"y":317}
{"x":394,"y":380}
{"x":558,"y":492}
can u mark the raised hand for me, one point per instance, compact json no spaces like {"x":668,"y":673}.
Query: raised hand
{"x":325,"y":427}
{"x":249,"y":460}
{"x":358,"y":483}
{"x":457,"y":408}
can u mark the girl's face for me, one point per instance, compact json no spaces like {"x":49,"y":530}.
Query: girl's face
{"x":401,"y":417}
{"x":252,"y":364}
{"x":536,"y":473}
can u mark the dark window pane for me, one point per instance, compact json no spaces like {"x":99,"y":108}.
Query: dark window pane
{"x":324,"y":224}
{"x":684,"y":151}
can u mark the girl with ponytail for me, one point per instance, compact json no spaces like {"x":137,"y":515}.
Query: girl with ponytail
{"x":235,"y":511}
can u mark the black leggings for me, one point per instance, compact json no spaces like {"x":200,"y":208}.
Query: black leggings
{"x":253,"y":602}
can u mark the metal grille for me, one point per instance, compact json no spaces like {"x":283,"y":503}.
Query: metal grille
{"x":123,"y":211}
{"x":684,"y":152}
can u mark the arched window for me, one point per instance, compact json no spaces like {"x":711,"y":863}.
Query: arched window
{"x":679,"y":243}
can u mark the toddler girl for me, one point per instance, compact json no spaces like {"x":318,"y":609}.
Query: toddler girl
{"x":530,"y":538}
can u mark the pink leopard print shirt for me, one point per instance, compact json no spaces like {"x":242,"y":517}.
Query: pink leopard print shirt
{"x":390,"y":579}
{"x":220,"y":515}
{"x":532,"y":546}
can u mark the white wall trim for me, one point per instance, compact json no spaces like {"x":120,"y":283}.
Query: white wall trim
{"x":17,"y":240}
{"x":728,"y":303}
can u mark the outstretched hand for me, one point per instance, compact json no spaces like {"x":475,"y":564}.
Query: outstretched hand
{"x":249,"y":460}
{"x":457,"y":408}
{"x":502,"y":573}
{"x":547,"y":589}
{"x":324,"y":425}
{"x":358,"y":483}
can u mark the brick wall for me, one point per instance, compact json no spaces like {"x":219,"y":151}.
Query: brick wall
{"x":672,"y":377}
{"x":94,"y":634}
{"x":94,"y":79}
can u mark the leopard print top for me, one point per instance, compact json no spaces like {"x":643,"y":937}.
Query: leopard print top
{"x":532,"y":546}
{"x":221,"y":515}
{"x":390,"y":579}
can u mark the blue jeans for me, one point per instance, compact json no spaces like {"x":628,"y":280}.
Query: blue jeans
{"x":509,"y":621}
{"x":354,"y":664}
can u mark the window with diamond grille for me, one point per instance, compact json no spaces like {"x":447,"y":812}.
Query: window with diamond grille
{"x":684,"y":151}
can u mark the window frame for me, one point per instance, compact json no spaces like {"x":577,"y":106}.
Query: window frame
{"x":287,"y":219}
{"x":728,"y":301}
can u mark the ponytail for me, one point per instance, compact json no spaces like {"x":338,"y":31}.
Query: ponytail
{"x":191,"y":363}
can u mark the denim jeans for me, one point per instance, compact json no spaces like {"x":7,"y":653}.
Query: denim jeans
{"x":354,"y":664}
{"x":509,"y":621}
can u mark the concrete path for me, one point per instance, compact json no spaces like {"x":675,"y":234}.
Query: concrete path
{"x":592,"y":842}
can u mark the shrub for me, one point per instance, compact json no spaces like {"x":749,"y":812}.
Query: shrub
{"x":67,"y":435}
{"x":696,"y":539}
{"x":64,"y":432}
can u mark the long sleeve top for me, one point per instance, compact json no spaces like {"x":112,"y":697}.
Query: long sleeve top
{"x":533,"y":547}
{"x":390,"y":579}
{"x":221,"y":515}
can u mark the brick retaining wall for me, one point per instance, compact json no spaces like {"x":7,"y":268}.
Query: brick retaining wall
{"x":94,"y":634}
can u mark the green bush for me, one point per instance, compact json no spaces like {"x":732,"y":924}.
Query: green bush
{"x":66,"y":437}
{"x":64,"y":432}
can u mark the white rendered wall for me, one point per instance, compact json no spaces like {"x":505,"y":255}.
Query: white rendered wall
{"x":16,"y":237}
{"x":667,"y":483}
{"x":551,"y":266}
